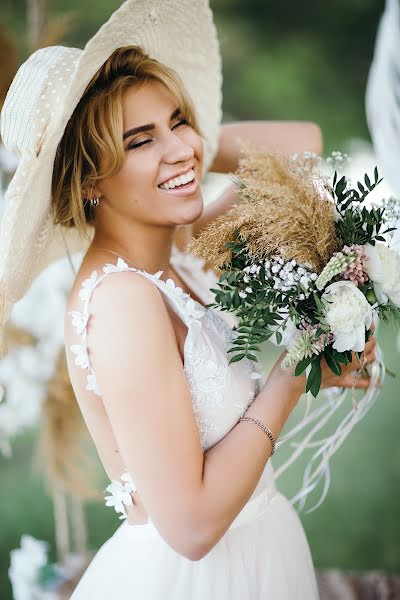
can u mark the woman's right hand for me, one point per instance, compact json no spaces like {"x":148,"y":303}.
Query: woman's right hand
{"x":345,"y":380}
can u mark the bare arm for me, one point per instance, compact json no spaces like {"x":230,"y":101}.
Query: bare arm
{"x":284,"y":137}
{"x":192,"y":497}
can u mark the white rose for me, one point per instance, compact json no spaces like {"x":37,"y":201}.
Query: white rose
{"x":383,"y":268}
{"x":348,"y":314}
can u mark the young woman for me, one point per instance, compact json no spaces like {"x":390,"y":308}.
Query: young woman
{"x":148,"y":362}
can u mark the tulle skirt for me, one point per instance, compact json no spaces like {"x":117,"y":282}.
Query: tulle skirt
{"x":264,"y":555}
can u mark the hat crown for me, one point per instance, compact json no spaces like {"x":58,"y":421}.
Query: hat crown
{"x":35,"y":98}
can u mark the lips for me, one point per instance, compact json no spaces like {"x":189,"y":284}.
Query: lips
{"x":177,"y":175}
{"x":184,"y":190}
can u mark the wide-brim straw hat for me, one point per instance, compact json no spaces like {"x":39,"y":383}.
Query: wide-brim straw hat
{"x":42,"y":97}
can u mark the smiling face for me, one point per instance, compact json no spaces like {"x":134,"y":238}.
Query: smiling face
{"x":159,"y":145}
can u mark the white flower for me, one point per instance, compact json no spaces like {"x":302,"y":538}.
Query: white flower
{"x":129,"y":483}
{"x":348,"y":314}
{"x":88,"y":286}
{"x":255,"y":375}
{"x":193,"y":311}
{"x":25,"y":563}
{"x":92,"y":384}
{"x":242,"y":294}
{"x":79,"y":321}
{"x":82,"y":359}
{"x":176,"y":290}
{"x":120,"y":494}
{"x":120,"y":266}
{"x":383,"y":268}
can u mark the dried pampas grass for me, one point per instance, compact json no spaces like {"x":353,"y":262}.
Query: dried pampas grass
{"x":281,"y":211}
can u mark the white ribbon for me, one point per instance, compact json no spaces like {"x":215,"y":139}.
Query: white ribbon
{"x":318,"y":468}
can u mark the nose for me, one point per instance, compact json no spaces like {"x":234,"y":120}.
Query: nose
{"x":177,"y":149}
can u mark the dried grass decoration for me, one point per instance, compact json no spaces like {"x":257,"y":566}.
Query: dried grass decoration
{"x":292,"y":256}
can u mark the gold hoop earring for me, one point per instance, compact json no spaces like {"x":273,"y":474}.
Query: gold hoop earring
{"x":94,"y":202}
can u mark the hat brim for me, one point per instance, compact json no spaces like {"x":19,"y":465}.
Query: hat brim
{"x":168,"y":32}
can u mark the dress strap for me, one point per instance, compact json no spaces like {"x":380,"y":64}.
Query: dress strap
{"x":190,"y":311}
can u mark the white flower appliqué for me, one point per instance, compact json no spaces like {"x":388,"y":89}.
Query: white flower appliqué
{"x":79,"y":321}
{"x":118,"y":268}
{"x":193,"y":311}
{"x":120,"y":494}
{"x":81,"y":359}
{"x":88,"y":286}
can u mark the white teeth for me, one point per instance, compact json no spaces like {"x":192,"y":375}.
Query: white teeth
{"x":177,"y":181}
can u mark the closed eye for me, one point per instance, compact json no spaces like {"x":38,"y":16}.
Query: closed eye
{"x":181,"y":122}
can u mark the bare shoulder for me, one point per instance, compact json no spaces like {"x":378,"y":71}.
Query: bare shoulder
{"x":128,"y":294}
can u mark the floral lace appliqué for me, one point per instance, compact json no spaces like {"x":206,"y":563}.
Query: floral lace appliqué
{"x":191,"y":311}
{"x":120,"y":494}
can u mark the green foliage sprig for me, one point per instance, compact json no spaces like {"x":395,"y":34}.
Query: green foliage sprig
{"x":357,"y":224}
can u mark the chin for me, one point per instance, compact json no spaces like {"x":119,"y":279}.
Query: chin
{"x":191,"y":210}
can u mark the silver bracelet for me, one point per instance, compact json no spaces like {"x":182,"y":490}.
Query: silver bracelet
{"x":264,"y":428}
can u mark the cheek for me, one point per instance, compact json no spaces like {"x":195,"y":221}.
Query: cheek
{"x":137,"y":173}
{"x":196,"y":141}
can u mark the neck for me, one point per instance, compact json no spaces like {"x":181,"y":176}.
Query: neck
{"x":146,"y":248}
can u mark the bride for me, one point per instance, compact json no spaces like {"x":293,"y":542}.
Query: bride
{"x":124,"y":149}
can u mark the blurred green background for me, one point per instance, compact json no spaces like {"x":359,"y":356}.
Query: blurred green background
{"x":282,"y":60}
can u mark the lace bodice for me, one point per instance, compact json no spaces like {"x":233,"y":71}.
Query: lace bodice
{"x":220,"y":393}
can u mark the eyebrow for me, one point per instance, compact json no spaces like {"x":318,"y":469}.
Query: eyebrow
{"x":149,"y":126}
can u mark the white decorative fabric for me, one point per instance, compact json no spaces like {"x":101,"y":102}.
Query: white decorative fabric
{"x":264,"y":554}
{"x":210,"y":379}
{"x":383,"y":94}
{"x":43,"y":96}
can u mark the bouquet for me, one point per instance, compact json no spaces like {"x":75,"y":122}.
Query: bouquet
{"x":303,"y":260}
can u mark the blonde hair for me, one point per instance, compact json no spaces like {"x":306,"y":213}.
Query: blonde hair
{"x":94,"y":132}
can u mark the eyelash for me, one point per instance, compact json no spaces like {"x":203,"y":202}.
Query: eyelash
{"x":181,"y":122}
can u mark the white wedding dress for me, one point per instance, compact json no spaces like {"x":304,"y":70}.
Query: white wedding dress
{"x":264,"y":555}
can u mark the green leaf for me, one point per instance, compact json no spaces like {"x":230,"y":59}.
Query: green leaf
{"x":319,"y":303}
{"x":236,"y":358}
{"x":302,"y":365}
{"x":278,"y":337}
{"x":340,"y":358}
{"x":331,"y":362}
{"x":236,"y":300}
{"x":315,"y":377}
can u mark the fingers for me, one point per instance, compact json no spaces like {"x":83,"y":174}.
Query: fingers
{"x":350,"y":381}
{"x":370,"y":350}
